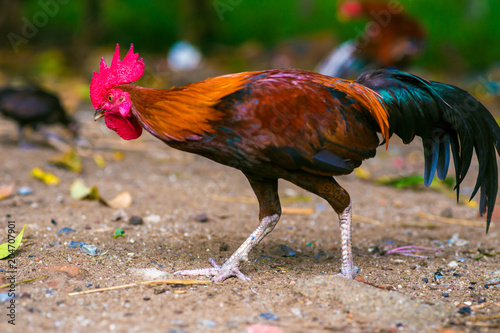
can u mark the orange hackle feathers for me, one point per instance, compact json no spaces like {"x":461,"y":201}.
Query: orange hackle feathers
{"x":185,"y":112}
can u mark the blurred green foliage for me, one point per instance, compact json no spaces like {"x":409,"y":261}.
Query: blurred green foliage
{"x":463,"y":33}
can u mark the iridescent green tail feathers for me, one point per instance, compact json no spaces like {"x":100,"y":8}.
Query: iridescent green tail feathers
{"x":446,"y":118}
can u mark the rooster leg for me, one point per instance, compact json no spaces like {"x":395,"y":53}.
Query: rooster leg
{"x":345,"y":219}
{"x":338,"y":198}
{"x":270,"y":210}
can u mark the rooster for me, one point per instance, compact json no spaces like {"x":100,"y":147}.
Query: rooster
{"x":31,"y":106}
{"x":390,"y":39}
{"x":303,"y":127}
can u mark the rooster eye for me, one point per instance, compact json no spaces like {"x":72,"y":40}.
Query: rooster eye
{"x":110,"y":98}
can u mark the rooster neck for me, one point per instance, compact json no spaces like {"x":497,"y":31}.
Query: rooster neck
{"x":184,"y":113}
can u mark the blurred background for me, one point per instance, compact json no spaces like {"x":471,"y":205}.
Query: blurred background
{"x":58,"y":43}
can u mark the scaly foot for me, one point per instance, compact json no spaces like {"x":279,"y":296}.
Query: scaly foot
{"x":220,"y":273}
{"x":349,"y":273}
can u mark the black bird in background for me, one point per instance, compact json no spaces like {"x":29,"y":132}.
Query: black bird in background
{"x":31,"y":106}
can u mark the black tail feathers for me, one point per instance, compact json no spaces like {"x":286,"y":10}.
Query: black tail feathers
{"x":446,"y":118}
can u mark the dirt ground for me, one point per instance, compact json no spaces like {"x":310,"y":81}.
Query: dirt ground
{"x":444,"y":291}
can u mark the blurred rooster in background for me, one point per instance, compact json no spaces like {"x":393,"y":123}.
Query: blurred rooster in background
{"x":303,"y":127}
{"x":31,"y":106}
{"x":390,"y":39}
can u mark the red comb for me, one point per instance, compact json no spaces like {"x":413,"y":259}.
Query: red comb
{"x":125,"y":71}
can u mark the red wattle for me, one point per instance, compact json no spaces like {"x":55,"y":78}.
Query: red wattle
{"x":128,"y":128}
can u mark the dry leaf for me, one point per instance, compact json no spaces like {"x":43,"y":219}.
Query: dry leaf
{"x":46,"y":177}
{"x":362,"y":173}
{"x":6,"y":191}
{"x":99,"y":160}
{"x":118,"y":156}
{"x":70,"y":161}
{"x":79,"y":191}
{"x":122,"y":200}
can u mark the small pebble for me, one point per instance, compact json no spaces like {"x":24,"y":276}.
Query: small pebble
{"x":486,"y":286}
{"x":447,"y":212}
{"x":53,"y":221}
{"x":159,"y":266}
{"x":146,"y":298}
{"x":263,"y":328}
{"x":201,"y":218}
{"x":464,"y":310}
{"x":471,"y":288}
{"x":208,"y":323}
{"x":320,"y":207}
{"x":426,"y":280}
{"x":457,"y":241}
{"x":481,"y":300}
{"x":223,"y":247}
{"x":453,"y":264}
{"x":119,"y":215}
{"x":320,"y":253}
{"x":4,"y":297}
{"x":89,"y":249}
{"x":457,"y":275}
{"x":285,"y":251}
{"x":152,"y":218}
{"x":269,"y":316}
{"x":445,"y":295}
{"x":25,"y":190}
{"x":66,"y":230}
{"x":136,"y":220}
{"x":438,"y":275}
{"x":74,"y":244}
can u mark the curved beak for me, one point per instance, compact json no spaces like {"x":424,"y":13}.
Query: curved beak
{"x":99,"y":113}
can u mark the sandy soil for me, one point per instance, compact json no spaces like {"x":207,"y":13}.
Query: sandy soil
{"x":297,"y":293}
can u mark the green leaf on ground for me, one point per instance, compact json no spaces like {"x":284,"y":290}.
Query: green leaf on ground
{"x":119,"y":233}
{"x":9,"y":248}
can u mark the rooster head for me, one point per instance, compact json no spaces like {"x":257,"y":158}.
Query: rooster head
{"x":109,"y":100}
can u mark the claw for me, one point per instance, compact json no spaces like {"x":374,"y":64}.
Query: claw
{"x":220,"y":273}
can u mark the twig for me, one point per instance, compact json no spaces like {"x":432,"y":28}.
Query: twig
{"x":450,"y":220}
{"x":297,"y":210}
{"x":175,"y":281}
{"x":23,"y":281}
{"x":409,"y":250}
{"x":366,"y":220}
{"x":102,"y":289}
{"x":487,"y":318}
{"x":154,"y":282}
{"x":493,"y":283}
